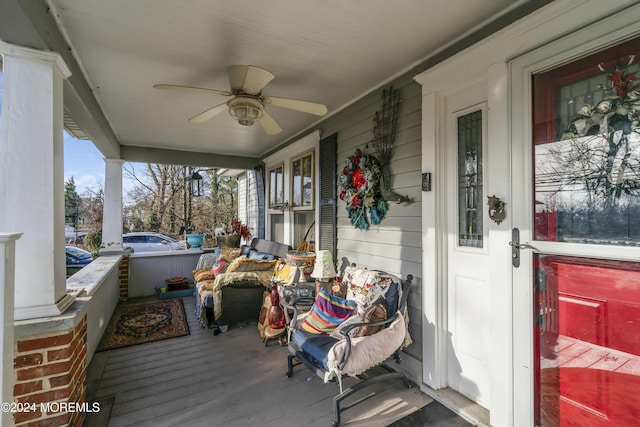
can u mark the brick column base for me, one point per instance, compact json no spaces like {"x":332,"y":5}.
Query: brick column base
{"x":123,"y":277}
{"x":50,"y":375}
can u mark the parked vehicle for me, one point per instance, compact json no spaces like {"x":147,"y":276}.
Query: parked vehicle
{"x":77,"y":259}
{"x":151,"y":242}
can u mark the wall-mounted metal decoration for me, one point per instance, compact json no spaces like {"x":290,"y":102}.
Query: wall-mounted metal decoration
{"x":384,"y":134}
{"x":496,"y":209}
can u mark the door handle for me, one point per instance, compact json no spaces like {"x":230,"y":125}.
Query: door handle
{"x":521,"y":246}
{"x":516,"y":246}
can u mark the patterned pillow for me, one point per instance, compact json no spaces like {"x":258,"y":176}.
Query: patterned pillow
{"x":285,"y":274}
{"x":327,"y":313}
{"x":229,"y":254}
{"x":374,"y":313}
{"x":219,"y":267}
{"x":202,"y":274}
{"x":365,"y":287}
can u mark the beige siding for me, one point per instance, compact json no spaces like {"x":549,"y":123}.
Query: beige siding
{"x":395,"y":244}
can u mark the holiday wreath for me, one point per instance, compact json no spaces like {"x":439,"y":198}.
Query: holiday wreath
{"x":360,"y":189}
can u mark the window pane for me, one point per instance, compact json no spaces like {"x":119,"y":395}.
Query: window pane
{"x":587,"y":166}
{"x":307,"y":181}
{"x":275,"y":187}
{"x":470,"y":180}
{"x":297,"y":182}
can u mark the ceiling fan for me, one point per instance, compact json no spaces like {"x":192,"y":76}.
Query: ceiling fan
{"x":248,"y":105}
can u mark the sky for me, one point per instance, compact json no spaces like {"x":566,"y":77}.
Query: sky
{"x":84,"y":163}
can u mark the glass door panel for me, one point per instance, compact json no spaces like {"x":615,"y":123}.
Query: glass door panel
{"x":588,"y":324}
{"x":586,"y":135}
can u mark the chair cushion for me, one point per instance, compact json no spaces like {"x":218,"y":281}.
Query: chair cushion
{"x":313,"y":345}
{"x":327,"y":312}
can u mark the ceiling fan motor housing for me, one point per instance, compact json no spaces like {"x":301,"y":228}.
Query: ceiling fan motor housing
{"x":245,"y":110}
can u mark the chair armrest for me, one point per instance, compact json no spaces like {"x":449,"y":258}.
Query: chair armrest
{"x":294,"y":305}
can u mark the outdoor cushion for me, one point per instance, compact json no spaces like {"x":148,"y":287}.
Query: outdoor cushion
{"x":327,"y":312}
{"x":316,"y":346}
{"x":257,"y":255}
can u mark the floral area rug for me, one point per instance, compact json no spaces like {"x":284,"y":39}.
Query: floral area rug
{"x":140,"y":323}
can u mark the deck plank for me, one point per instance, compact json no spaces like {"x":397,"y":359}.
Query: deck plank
{"x":231,"y":379}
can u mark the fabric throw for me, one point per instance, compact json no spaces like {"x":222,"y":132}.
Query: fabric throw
{"x":243,"y":264}
{"x":327,"y":313}
{"x":139,"y":323}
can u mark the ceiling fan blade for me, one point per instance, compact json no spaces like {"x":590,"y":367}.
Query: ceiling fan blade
{"x":296,"y":104}
{"x":208,"y":114}
{"x":249,"y":79}
{"x":193,"y":89}
{"x":269,"y":124}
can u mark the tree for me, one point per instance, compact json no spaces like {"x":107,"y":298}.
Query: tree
{"x":161,"y":199}
{"x":72,"y":203}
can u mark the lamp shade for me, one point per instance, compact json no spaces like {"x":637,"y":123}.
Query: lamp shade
{"x":323,"y":268}
{"x":245,"y":110}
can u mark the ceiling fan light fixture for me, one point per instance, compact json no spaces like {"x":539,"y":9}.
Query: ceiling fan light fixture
{"x":246,"y":111}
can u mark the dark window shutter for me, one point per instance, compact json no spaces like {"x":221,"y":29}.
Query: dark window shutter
{"x":328,"y":173}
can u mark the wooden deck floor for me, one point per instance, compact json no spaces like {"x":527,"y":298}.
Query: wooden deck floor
{"x":230,"y":379}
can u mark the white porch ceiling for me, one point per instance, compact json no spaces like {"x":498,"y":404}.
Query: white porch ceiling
{"x":331,"y":52}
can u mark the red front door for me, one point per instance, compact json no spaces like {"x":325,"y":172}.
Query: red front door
{"x":587,"y":199}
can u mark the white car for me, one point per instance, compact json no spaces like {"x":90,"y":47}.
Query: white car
{"x":151,"y":242}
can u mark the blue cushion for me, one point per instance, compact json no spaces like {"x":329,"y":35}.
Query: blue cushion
{"x":245,"y":249}
{"x":391,"y":298}
{"x":261,"y":256}
{"x":315,"y":346}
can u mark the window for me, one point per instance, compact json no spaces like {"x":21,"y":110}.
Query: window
{"x":587,"y":150}
{"x":302,"y":184}
{"x":470,"y":180}
{"x":276,"y":187}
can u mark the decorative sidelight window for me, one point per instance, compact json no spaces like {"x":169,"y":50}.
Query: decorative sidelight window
{"x":470,"y":132}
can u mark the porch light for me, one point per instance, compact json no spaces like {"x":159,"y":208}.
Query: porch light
{"x":245,"y":110}
{"x":196,"y":185}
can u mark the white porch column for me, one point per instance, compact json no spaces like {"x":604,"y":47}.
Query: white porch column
{"x":32,"y":177}
{"x":112,"y":216}
{"x":7,"y":278}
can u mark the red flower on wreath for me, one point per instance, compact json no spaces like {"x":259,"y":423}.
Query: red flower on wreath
{"x":355,"y":201}
{"x":358,"y":179}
